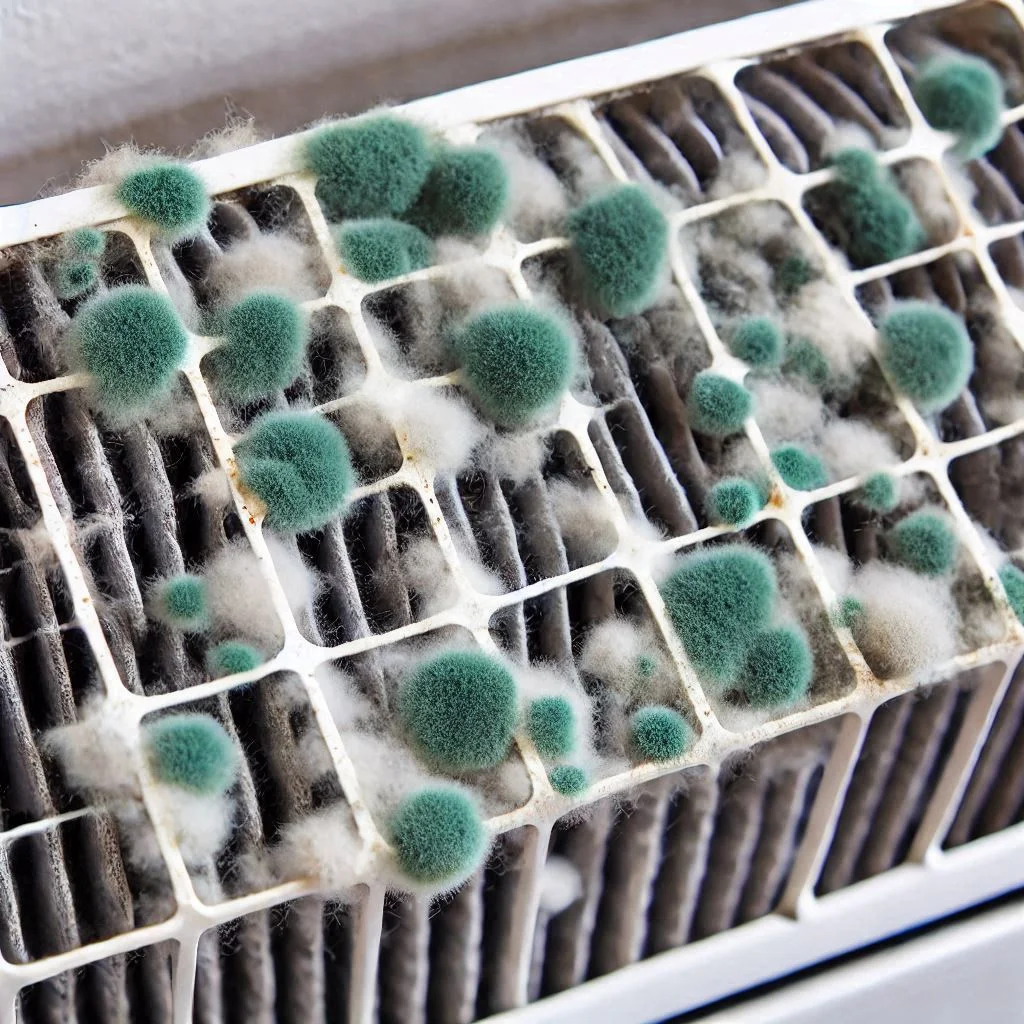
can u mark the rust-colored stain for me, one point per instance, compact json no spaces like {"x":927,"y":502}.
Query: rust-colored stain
{"x":232,"y":471}
{"x":775,"y":498}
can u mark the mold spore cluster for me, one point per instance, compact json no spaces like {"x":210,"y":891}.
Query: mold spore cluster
{"x":806,"y":370}
{"x":432,"y":754}
{"x":294,"y":468}
{"x":455,"y":716}
{"x":223,"y":605}
{"x":809,"y":399}
{"x":724,"y":605}
{"x":77,"y":264}
{"x":514,"y":361}
{"x":864,"y":211}
{"x":909,"y":592}
{"x":392,"y":190}
{"x":640,"y":694}
{"x":192,"y":760}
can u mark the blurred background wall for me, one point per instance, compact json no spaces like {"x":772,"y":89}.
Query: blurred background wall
{"x":75,"y":74}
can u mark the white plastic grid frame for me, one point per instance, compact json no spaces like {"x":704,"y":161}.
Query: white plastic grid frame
{"x":804,"y":928}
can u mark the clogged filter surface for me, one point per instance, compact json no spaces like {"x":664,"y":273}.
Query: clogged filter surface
{"x":871,"y":768}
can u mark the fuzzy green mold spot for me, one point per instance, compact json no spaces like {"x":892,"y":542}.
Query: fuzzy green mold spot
{"x":877,"y":222}
{"x":298,"y":465}
{"x":378,"y":249}
{"x":793,"y":273}
{"x":620,"y":239}
{"x":880,"y":493}
{"x":368,"y":167}
{"x":805,"y":359}
{"x":191,"y":752}
{"x":646,"y":666}
{"x":799,"y":469}
{"x":568,"y":779}
{"x":778,"y":668}
{"x":170,"y":197}
{"x":265,"y":338}
{"x":1012,"y":580}
{"x":181,"y":601}
{"x":465,"y":193}
{"x":848,"y":611}
{"x":85,"y":242}
{"x":717,"y":405}
{"x":438,"y":836}
{"x":74,"y":277}
{"x":962,"y":95}
{"x":928,"y":353}
{"x":131,"y":342}
{"x":659,"y":734}
{"x":551,"y":724}
{"x":719,"y":600}
{"x":758,"y":341}
{"x":516,"y":361}
{"x":733,"y":501}
{"x":924,"y":541}
{"x":460,"y":710}
{"x":232,"y":656}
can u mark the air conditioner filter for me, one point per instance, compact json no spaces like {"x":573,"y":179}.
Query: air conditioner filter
{"x":551,"y":550}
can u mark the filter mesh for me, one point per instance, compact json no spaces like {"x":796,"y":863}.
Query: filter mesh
{"x":869,"y":775}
